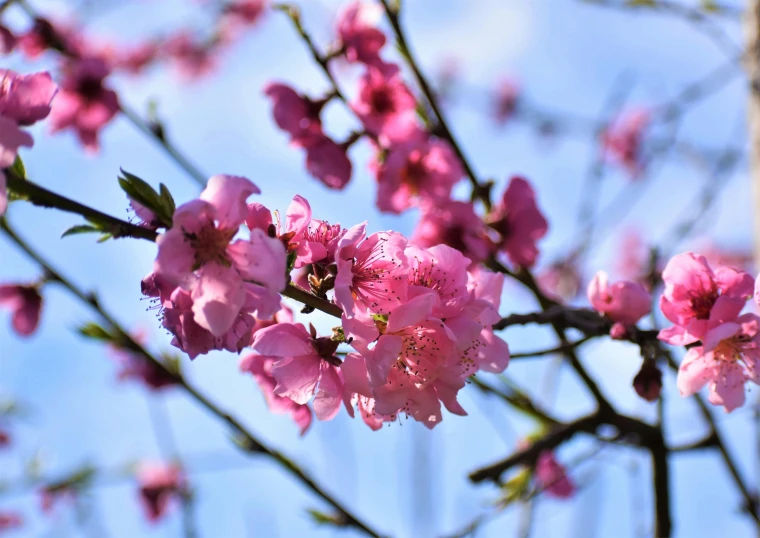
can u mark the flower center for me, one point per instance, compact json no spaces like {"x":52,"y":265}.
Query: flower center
{"x":210,"y":245}
{"x":381,"y":101}
{"x":702,"y":304}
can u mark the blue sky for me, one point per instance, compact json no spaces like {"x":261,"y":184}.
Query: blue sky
{"x":404,"y":479}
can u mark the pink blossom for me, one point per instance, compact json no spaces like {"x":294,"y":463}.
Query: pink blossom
{"x":160,"y":485}
{"x":179,"y":319}
{"x":699,"y":300}
{"x":84,"y":103}
{"x":297,"y":219}
{"x":440,"y":270}
{"x":625,"y":302}
{"x":385,"y":106}
{"x":261,"y":369}
{"x":242,"y":13}
{"x":407,"y":366}
{"x":10,"y":521}
{"x":632,"y":260}
{"x":724,"y":363}
{"x":560,"y":281}
{"x":137,"y":367}
{"x":552,"y":477}
{"x":519,"y":222}
{"x":505,"y":103}
{"x":293,"y":113}
{"x":193,"y":59}
{"x":44,"y":35}
{"x":320,"y":242}
{"x":134,"y":60}
{"x":623,"y":140}
{"x":454,"y":224}
{"x":26,"y":304}
{"x":358,"y":33}
{"x":25,"y":99}
{"x":420,"y":168}
{"x":327,"y":161}
{"x":372,"y":271}
{"x":199,"y":254}
{"x":304,"y":366}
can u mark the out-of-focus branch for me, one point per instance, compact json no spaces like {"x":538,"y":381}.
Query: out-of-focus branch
{"x":480,"y":191}
{"x":247,"y":440}
{"x":42,"y":197}
{"x":752,"y":29}
{"x":158,"y":135}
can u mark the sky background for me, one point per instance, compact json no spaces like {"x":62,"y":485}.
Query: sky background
{"x":405,"y":480}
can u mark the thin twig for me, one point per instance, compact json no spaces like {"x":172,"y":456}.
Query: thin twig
{"x":247,"y":440}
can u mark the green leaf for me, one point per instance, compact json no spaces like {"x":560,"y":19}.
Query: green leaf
{"x":96,"y":332}
{"x":17,"y":168}
{"x":162,"y":205}
{"x":320,"y":518}
{"x":80,"y":229}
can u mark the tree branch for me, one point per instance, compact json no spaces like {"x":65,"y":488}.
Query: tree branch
{"x":42,"y":197}
{"x":249,"y":442}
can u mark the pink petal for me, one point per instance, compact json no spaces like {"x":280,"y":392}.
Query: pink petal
{"x":696,"y":369}
{"x":297,"y":377}
{"x":217,"y":298}
{"x":328,"y":399}
{"x":413,"y":312}
{"x":283,"y":340}
{"x":228,"y":195}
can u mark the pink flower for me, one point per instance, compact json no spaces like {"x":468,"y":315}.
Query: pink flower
{"x":385,"y":106}
{"x":552,"y":477}
{"x":357,"y":31}
{"x":507,"y":95}
{"x":454,"y":224}
{"x":519,"y":222}
{"x":160,"y":485}
{"x":442,"y":271}
{"x":319,"y":243}
{"x":293,"y":113}
{"x":419,"y":168}
{"x":243,"y":12}
{"x":261,"y":369}
{"x":729,"y":357}
{"x":26,"y":304}
{"x":199,"y":254}
{"x":84,"y":103}
{"x":25,"y":99}
{"x":622,"y":141}
{"x":136,"y":59}
{"x":625,"y":302}
{"x":408,"y":363}
{"x":10,"y":521}
{"x":304,"y":365}
{"x":193,"y":59}
{"x":327,"y":161}
{"x":560,"y":281}
{"x":372,"y":271}
{"x":699,"y":300}
{"x":179,"y":319}
{"x":632,"y":260}
{"x":44,"y":35}
{"x":137,"y":367}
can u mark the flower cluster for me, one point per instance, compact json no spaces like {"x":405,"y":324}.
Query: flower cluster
{"x":705,"y":306}
{"x":418,"y":319}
